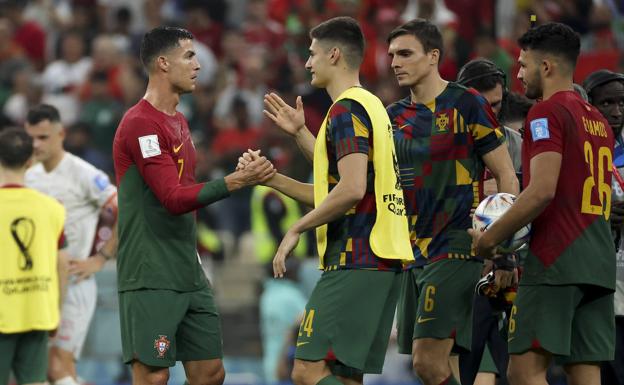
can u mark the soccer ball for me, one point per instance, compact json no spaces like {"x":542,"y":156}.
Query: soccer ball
{"x":492,"y":208}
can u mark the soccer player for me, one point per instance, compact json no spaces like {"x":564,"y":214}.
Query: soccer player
{"x":605,"y":90}
{"x":84,"y":191}
{"x":564,"y":306}
{"x":33,"y":273}
{"x":167,"y":310}
{"x":359,"y":215}
{"x":445,"y":136}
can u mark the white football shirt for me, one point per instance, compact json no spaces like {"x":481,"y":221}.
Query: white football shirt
{"x":83,"y":190}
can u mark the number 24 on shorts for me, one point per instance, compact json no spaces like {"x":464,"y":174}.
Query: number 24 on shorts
{"x":306,"y":323}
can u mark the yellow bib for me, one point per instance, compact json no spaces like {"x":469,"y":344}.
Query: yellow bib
{"x":389,"y":238}
{"x":30,"y":227}
{"x":265,"y":243}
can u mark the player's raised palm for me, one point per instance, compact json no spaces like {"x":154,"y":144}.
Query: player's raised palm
{"x":289,"y":119}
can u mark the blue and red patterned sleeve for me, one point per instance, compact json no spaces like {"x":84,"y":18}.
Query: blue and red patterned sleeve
{"x":349,"y":130}
{"x":481,"y":122}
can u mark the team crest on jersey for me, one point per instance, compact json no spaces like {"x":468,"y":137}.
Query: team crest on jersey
{"x":161,"y":344}
{"x":539,"y":129}
{"x":442,"y":121}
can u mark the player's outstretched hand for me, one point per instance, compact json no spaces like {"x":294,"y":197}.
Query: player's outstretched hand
{"x":257,"y":171}
{"x":289,"y":119}
{"x":83,"y":269}
{"x":290,"y":241}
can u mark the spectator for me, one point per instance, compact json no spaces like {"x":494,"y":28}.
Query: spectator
{"x":27,"y":34}
{"x":105,"y":59}
{"x":12,"y":56}
{"x":62,"y":78}
{"x":249,"y":85}
{"x":101,"y":112}
{"x":24,"y":92}
{"x":259,"y":29}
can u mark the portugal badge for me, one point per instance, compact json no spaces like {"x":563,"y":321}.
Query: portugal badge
{"x":161,"y":345}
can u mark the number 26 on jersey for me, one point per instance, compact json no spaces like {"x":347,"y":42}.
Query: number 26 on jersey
{"x":593,"y":181}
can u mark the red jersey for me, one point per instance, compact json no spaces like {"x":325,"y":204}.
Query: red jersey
{"x":571,"y":239}
{"x":155,"y":165}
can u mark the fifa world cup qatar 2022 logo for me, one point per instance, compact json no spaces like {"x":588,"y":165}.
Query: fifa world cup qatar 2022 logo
{"x":23,"y":233}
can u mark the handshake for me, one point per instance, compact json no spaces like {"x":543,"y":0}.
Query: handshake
{"x":253,"y":169}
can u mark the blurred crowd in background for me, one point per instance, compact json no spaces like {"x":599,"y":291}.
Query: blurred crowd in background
{"x":82,"y":56}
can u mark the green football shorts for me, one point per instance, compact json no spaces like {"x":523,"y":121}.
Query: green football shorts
{"x":348,"y":319}
{"x":26,"y":354}
{"x":574,"y":323}
{"x":160,"y":327}
{"x":446,"y":290}
{"x":407,"y":308}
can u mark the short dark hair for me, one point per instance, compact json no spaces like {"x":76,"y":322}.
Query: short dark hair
{"x":159,"y":40}
{"x":41,"y":112}
{"x":516,"y":107}
{"x":482,"y":75}
{"x":555,"y":39}
{"x":346,"y":32}
{"x":16,"y":147}
{"x":425,"y":31}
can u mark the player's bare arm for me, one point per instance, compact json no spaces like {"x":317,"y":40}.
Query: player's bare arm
{"x":299,"y":191}
{"x":258,"y":171}
{"x":531,"y":202}
{"x":83,"y":269}
{"x":290,"y":120}
{"x":499,"y":163}
{"x":347,"y":193}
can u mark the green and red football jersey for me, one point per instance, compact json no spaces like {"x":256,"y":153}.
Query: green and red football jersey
{"x":154,"y":160}
{"x":571,"y":239}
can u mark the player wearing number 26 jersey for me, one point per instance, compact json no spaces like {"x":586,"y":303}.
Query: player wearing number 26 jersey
{"x":571,"y":239}
{"x":569,"y":275}
{"x":564,"y":306}
{"x":565,"y":299}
